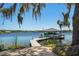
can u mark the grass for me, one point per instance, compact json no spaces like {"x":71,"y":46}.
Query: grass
{"x":14,"y":48}
{"x":65,"y":50}
{"x":1,"y":46}
{"x":60,"y":50}
{"x":50,"y":43}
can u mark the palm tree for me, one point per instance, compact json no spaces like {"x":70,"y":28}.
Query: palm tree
{"x":7,"y":13}
{"x":75,"y":37}
{"x":75,"y":40}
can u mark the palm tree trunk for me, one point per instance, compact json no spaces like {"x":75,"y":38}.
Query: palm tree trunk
{"x":75,"y":37}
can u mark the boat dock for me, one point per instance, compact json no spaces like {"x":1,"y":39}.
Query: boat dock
{"x":41,"y":49}
{"x":34,"y":42}
{"x":41,"y":38}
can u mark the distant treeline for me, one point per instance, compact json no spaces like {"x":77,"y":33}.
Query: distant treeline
{"x":8,"y":31}
{"x":11,"y":31}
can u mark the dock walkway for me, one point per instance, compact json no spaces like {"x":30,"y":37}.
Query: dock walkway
{"x":41,"y":38}
{"x":41,"y":50}
{"x":34,"y":42}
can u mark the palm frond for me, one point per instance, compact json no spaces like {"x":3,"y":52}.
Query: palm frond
{"x":1,"y":5}
{"x":69,"y":6}
{"x":37,"y":7}
{"x":13,"y":7}
{"x":6,"y":13}
{"x":20,"y":19}
{"x":66,"y":15}
{"x":25,"y":7}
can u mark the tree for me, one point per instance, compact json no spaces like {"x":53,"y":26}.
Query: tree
{"x":75,"y":37}
{"x":7,"y":13}
{"x":75,"y":40}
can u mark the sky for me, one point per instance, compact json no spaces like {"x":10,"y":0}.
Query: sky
{"x":49,"y":16}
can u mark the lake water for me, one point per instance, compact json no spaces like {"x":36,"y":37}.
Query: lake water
{"x":23,"y":38}
{"x":68,"y":38}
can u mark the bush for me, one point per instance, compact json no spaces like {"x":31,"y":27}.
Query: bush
{"x":65,"y":50}
{"x":50,"y":41}
{"x":1,"y":47}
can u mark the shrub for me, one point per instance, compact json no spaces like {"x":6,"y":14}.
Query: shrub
{"x":1,"y":47}
{"x":65,"y":50}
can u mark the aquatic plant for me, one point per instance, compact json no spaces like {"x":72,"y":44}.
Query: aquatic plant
{"x":1,"y":46}
{"x":13,"y":47}
{"x":16,"y":42}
